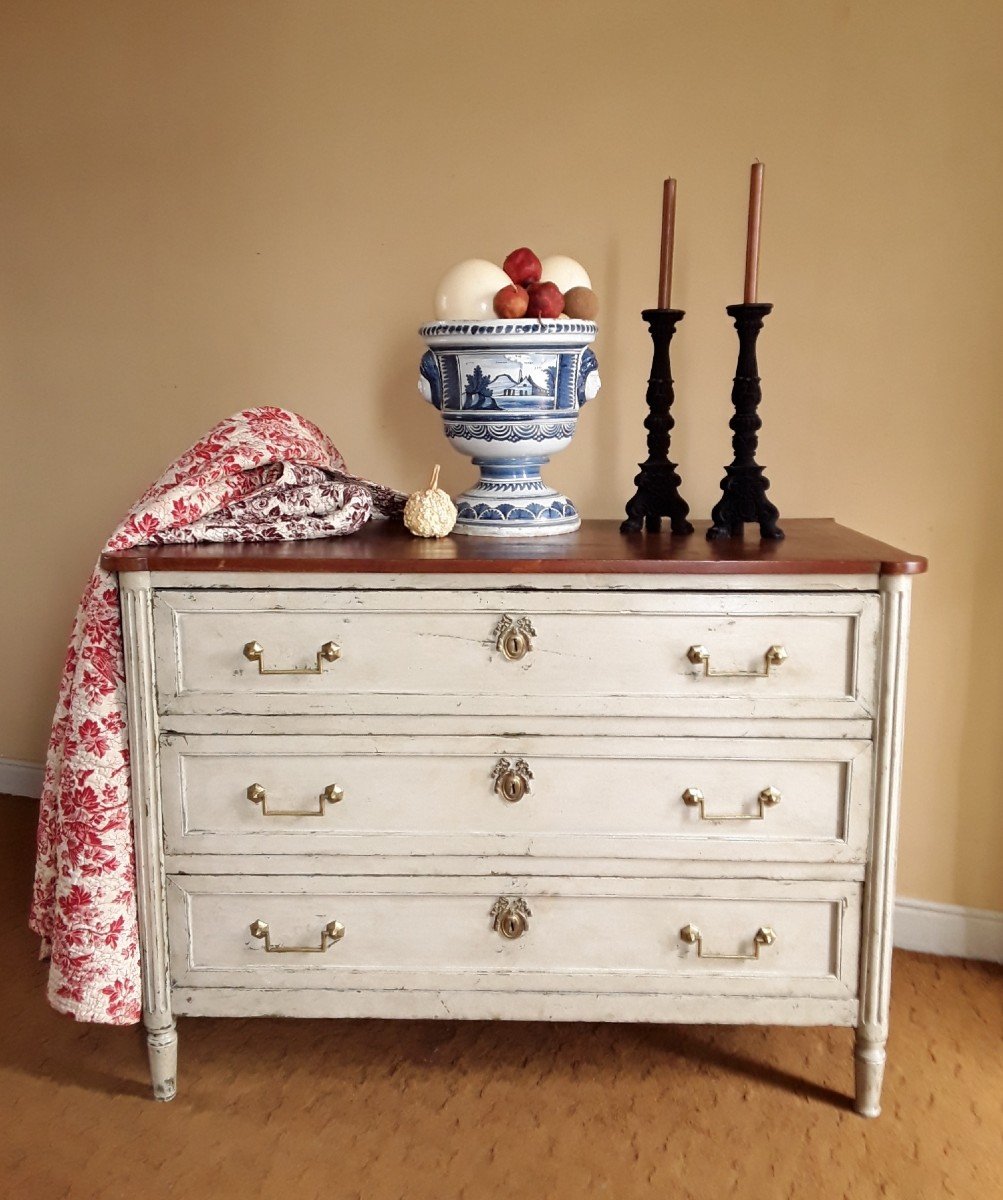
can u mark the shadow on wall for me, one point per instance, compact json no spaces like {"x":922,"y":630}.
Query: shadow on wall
{"x":412,"y":429}
{"x":603,"y":417}
{"x":981,"y":749}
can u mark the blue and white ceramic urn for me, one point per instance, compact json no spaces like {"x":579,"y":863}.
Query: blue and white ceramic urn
{"x":510,"y":392}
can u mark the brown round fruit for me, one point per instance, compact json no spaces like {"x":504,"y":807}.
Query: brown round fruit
{"x":581,"y":302}
{"x":511,"y":301}
{"x":545,"y":300}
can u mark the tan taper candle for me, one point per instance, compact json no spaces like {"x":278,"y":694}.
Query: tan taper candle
{"x":668,"y":240}
{"x":752,"y":241}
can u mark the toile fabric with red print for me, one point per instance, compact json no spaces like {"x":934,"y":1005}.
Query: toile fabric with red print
{"x":264,"y":474}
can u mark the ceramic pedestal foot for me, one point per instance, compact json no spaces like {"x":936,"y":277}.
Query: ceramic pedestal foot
{"x":511,"y":500}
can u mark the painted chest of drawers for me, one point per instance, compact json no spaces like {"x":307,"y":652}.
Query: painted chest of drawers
{"x":603,"y":778}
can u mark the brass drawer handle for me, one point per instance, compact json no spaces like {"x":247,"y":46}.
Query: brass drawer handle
{"x":332,"y":932}
{"x":514,"y":638}
{"x":764,"y":936}
{"x":774,"y":657}
{"x":332,"y":794}
{"x":511,"y":780}
{"x":254,"y":652}
{"x":510,"y":917}
{"x":767,"y":798}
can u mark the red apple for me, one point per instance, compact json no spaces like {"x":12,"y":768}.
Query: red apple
{"x":511,"y":301}
{"x":523,"y":267}
{"x":545,"y":300}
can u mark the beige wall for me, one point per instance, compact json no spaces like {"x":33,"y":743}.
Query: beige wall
{"x":206,"y":205}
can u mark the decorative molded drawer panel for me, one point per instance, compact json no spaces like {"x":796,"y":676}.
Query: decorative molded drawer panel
{"x":511,"y":653}
{"x":724,"y":937}
{"x":803,"y":800}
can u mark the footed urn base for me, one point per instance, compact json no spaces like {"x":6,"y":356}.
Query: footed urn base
{"x":511,"y":500}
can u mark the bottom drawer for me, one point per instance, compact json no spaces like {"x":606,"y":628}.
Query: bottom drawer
{"x":714,"y":937}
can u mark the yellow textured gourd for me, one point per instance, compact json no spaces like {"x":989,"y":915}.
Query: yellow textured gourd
{"x":430,"y":513}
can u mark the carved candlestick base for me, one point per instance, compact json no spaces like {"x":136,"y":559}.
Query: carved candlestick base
{"x":744,"y":487}
{"x":658,"y":482}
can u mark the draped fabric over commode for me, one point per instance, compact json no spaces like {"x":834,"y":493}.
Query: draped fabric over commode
{"x":262,"y":475}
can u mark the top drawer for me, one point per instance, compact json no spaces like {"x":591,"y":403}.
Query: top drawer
{"x":515,"y":653}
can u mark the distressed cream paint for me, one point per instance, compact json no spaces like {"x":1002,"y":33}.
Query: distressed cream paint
{"x":207,"y":206}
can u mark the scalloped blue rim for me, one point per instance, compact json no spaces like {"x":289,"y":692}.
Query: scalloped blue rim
{"x":534,"y":327}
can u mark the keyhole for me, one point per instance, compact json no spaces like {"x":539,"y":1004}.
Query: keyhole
{"x":513,"y":787}
{"x":515,"y":644}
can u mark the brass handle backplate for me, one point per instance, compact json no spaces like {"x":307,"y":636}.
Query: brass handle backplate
{"x":510,"y":917}
{"x":330,"y":795}
{"x":254,"y":652}
{"x":764,"y":936}
{"x":767,"y":798}
{"x":332,"y":932}
{"x":511,"y":779}
{"x":514,"y":637}
{"x":775,"y":656}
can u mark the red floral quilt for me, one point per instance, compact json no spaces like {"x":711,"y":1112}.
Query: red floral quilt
{"x":263,"y":475}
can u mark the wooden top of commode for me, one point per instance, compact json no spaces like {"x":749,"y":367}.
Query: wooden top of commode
{"x":813,"y":546}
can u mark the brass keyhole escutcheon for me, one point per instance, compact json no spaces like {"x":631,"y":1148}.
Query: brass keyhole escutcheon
{"x":514,"y":637}
{"x":510,"y":917}
{"x":512,"y":779}
{"x":512,"y":925}
{"x":512,"y":786}
{"x":514,"y":645}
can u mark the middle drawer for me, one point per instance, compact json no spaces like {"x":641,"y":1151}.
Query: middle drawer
{"x":796,"y":800}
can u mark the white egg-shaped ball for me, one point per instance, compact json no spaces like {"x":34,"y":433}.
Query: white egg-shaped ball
{"x":565,"y":272}
{"x":466,"y":291}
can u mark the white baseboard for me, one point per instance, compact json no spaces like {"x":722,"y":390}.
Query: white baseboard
{"x":919,"y":924}
{"x":948,"y":929}
{"x":20,"y":778}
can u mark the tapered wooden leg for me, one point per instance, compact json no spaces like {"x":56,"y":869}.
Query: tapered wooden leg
{"x":870,"y":1070}
{"x":879,"y":884}
{"x":162,"y":1046}
{"x":136,"y":598}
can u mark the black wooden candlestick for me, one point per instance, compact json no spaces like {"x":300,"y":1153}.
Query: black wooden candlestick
{"x":744,"y":487}
{"x":657,"y":482}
